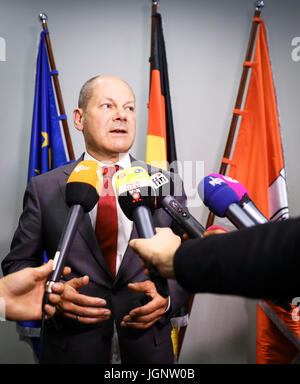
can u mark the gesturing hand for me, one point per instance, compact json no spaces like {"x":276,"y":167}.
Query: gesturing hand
{"x":85,"y":309}
{"x":145,"y":316}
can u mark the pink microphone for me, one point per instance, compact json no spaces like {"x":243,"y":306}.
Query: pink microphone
{"x":245,"y":201}
{"x":238,"y":188}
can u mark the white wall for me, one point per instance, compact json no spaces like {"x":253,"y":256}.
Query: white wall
{"x":206,"y":43}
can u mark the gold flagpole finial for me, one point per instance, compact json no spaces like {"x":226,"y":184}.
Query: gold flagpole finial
{"x":259,"y":4}
{"x":43,"y":17}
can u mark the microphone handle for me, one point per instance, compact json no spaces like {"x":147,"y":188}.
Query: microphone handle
{"x":142,"y":218}
{"x":238,"y":217}
{"x":248,"y":206}
{"x":186,"y":221}
{"x":65,"y":242}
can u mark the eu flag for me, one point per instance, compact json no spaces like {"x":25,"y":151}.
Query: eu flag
{"x":46,"y":149}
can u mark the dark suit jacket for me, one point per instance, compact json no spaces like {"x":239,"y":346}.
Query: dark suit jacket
{"x":259,"y":262}
{"x":40,"y":227}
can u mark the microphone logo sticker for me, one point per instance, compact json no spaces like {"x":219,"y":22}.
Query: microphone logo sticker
{"x":81,"y":168}
{"x":159,"y":179}
{"x":230,"y":179}
{"x":216,"y":181}
{"x":136,"y":195}
{"x":121,"y":174}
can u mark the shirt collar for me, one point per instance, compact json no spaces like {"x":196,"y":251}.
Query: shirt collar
{"x":123,"y":163}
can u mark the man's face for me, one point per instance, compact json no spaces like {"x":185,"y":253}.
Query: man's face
{"x":108,"y":123}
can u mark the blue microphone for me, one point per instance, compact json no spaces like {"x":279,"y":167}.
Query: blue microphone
{"x":223,"y":201}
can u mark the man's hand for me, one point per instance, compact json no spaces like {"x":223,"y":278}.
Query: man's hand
{"x":145,"y":316}
{"x":85,"y":309}
{"x":159,"y":250}
{"x":23,"y":293}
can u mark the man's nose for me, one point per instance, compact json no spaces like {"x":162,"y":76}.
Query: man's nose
{"x":120,"y":114}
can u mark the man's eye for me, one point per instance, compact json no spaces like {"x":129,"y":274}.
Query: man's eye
{"x":129,"y":108}
{"x":106,"y":105}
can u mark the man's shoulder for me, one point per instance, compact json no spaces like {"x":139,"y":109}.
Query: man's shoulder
{"x":55,"y":174}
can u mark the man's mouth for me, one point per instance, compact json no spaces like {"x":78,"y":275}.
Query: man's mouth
{"x":118,"y":131}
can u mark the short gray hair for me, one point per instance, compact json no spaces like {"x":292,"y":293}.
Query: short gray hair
{"x":86,"y":93}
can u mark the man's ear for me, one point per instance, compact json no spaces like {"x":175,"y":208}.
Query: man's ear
{"x":78,"y":118}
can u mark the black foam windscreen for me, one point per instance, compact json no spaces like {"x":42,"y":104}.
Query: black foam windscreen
{"x":84,"y":194}
{"x":143,"y":196}
{"x":134,"y":189}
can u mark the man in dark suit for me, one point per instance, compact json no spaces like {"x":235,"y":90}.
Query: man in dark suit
{"x":258,"y":262}
{"x":91,"y":306}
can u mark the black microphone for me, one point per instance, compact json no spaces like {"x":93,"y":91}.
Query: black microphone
{"x":223,"y":201}
{"x":164,"y":189}
{"x":137,"y":199}
{"x":82,"y":193}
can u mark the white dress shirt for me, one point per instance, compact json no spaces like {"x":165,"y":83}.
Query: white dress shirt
{"x":124,"y":224}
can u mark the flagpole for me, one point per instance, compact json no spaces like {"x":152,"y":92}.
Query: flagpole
{"x":235,"y":117}
{"x":228,"y":148}
{"x":153,"y":23}
{"x":43,"y":18}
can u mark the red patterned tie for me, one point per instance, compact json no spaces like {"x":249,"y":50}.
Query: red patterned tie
{"x":107,"y":220}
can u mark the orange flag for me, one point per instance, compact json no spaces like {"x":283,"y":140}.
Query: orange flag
{"x":258,"y":164}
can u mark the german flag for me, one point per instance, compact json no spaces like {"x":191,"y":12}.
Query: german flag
{"x":161,"y":149}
